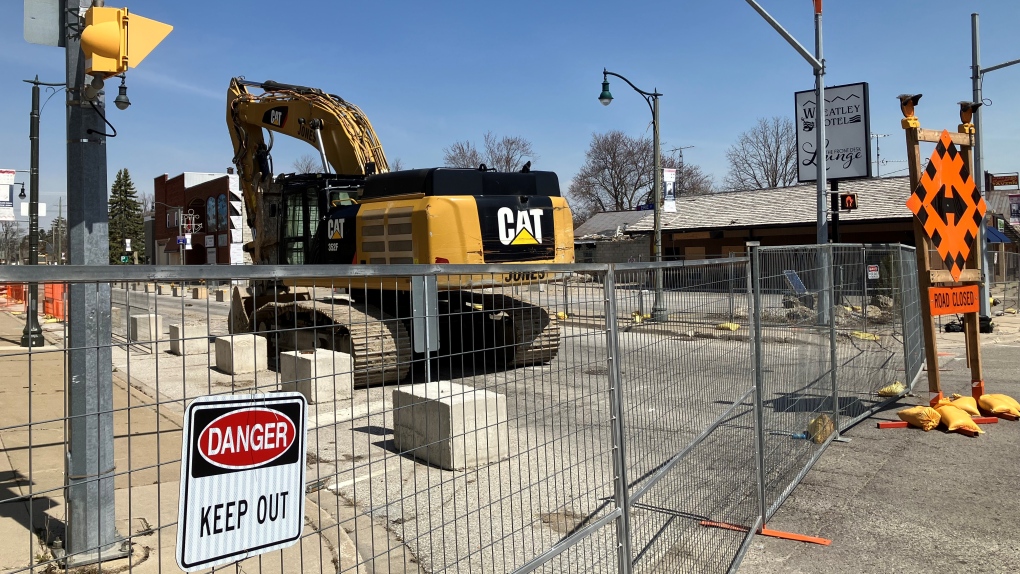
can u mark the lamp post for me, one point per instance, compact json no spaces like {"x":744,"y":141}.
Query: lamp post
{"x":652,"y":99}
{"x":32,"y":335}
{"x":977,"y":79}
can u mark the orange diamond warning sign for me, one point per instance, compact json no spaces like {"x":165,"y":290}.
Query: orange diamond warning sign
{"x":948,"y":205}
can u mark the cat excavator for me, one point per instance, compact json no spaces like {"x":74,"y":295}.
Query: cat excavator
{"x":356,"y":211}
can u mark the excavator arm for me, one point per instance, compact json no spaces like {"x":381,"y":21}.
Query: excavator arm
{"x":339,"y":130}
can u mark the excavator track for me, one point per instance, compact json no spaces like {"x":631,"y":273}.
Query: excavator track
{"x":377,"y":342}
{"x":536,"y":332}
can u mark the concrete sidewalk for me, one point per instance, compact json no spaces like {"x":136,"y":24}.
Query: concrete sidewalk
{"x":903,"y":500}
{"x":147,"y":448}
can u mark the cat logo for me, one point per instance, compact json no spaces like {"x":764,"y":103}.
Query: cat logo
{"x":523,"y":229}
{"x":335,"y":228}
{"x":276,"y":116}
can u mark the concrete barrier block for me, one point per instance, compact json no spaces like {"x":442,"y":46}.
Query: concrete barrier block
{"x":189,"y":339}
{"x":199,"y":292}
{"x":162,"y":289}
{"x":147,"y":327}
{"x":450,"y":425}
{"x":239,"y":354}
{"x":117,"y":318}
{"x":177,"y":291}
{"x":222,"y":295}
{"x":321,"y":375}
{"x":150,"y":287}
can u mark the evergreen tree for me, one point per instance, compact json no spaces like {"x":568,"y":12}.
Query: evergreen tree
{"x":125,"y":218}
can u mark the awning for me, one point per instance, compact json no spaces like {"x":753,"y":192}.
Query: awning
{"x":993,"y":235}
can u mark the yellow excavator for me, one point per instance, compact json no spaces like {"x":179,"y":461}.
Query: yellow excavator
{"x":356,"y":212}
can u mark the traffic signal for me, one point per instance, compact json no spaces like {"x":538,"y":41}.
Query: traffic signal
{"x":113,"y":40}
{"x":847,"y":201}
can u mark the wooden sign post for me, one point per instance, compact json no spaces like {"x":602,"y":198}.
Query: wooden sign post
{"x":949,"y":211}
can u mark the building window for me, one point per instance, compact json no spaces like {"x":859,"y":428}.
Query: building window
{"x":171,"y":218}
{"x":210,"y":215}
{"x":222,"y":208}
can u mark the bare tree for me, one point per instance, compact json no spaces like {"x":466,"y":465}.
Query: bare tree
{"x":616,"y":175}
{"x":10,"y":240}
{"x":148,"y":203}
{"x":307,"y":163}
{"x":764,"y":156}
{"x":462,"y":154}
{"x":507,"y":153}
{"x":397,"y":164}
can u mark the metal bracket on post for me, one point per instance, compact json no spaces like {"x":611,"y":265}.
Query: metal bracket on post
{"x":425,"y":318}
{"x":621,"y":492}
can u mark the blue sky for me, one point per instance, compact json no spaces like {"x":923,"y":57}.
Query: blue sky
{"x":432,"y":73}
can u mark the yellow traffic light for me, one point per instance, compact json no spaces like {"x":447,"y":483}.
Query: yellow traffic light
{"x":113,"y":40}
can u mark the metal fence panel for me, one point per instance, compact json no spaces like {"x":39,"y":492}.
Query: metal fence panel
{"x":687,"y":414}
{"x":571,"y":431}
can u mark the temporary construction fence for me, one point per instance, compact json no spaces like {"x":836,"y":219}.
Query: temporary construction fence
{"x":573,"y":418}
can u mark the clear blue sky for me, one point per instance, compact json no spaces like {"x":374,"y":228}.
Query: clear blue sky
{"x":432,"y":73}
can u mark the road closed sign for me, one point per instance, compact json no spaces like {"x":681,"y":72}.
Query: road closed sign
{"x":953,"y":300}
{"x":242,"y":478}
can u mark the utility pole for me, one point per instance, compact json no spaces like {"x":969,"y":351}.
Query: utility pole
{"x":878,"y":154}
{"x":91,"y":518}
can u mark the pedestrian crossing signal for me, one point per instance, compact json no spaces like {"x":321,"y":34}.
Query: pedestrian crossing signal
{"x":847,"y":201}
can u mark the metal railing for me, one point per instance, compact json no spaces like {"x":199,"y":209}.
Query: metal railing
{"x":553,"y":427}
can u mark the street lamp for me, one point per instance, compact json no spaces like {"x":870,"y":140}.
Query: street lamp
{"x":32,"y":336}
{"x":652,"y":99}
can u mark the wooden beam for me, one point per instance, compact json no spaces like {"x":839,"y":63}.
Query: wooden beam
{"x":944,"y":276}
{"x":933,"y":136}
{"x":923,"y":244}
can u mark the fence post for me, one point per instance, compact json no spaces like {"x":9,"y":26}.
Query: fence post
{"x":833,"y":375}
{"x":730,"y":283}
{"x":754,"y":316}
{"x":621,"y":490}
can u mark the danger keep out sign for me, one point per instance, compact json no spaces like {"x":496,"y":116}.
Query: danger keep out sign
{"x":242,"y":478}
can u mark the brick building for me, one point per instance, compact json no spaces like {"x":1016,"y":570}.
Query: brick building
{"x":214,"y":199}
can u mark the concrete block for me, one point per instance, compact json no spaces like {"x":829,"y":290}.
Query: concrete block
{"x":199,"y":292}
{"x":177,"y":291}
{"x":239,"y":354}
{"x":450,"y":425}
{"x":222,"y":295}
{"x":146,"y":328}
{"x":150,"y":287}
{"x":162,"y":289}
{"x":134,"y":286}
{"x":117,"y":318}
{"x":189,"y":339}
{"x":321,"y":375}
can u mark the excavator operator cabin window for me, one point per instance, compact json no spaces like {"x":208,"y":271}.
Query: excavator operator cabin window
{"x":301,"y":215}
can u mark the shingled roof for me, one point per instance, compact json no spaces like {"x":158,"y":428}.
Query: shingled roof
{"x":605,"y":223}
{"x":878,"y":200}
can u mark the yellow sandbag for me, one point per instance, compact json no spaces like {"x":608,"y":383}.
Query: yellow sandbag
{"x":999,"y":404}
{"x":894,"y":390}
{"x":956,"y":419}
{"x":925,"y":418}
{"x":864,"y":336}
{"x":966,"y":404}
{"x":727,"y":326}
{"x":820,"y":428}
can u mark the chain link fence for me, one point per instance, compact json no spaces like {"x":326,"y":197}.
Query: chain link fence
{"x":580,"y":418}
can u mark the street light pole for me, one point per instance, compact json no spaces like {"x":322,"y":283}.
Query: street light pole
{"x":977,"y":78}
{"x":32,"y":335}
{"x":652,"y":99}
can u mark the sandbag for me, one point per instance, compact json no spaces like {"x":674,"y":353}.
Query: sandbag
{"x":956,"y":419}
{"x":966,"y":404}
{"x":925,"y":418}
{"x":999,"y":404}
{"x":820,"y":428}
{"x":892,"y":390}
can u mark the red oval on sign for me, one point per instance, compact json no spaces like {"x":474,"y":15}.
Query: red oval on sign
{"x":246,"y":438}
